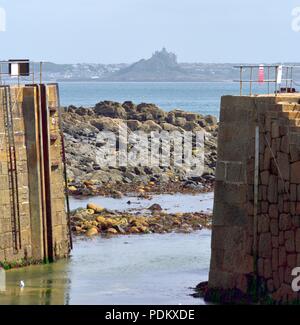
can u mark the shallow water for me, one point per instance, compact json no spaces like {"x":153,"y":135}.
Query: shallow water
{"x":149,"y":269}
{"x":138,"y":269}
{"x":170,"y":203}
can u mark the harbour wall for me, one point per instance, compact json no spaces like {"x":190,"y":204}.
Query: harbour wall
{"x":33,"y":218}
{"x":256,"y":220}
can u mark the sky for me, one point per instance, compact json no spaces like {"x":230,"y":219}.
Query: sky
{"x":124,"y":31}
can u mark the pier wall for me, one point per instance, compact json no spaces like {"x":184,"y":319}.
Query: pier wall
{"x":256,"y":221}
{"x":33,"y":218}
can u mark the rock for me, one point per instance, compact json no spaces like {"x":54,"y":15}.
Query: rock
{"x":169,"y":127}
{"x":211,"y":119}
{"x":134,"y":230}
{"x":83,"y":145}
{"x":117,"y":194}
{"x":265,"y":245}
{"x":180,"y":121}
{"x":134,"y":125}
{"x":295,"y":172}
{"x":192,"y":126}
{"x":171,"y":118}
{"x":110,"y":222}
{"x":110,"y":109}
{"x":143,"y":229}
{"x":192,"y":117}
{"x":95,"y":207}
{"x":157,"y":113}
{"x":284,"y":165}
{"x":150,"y":126}
{"x":111,"y":231}
{"x":121,"y":230}
{"x":101,"y":219}
{"x":92,"y":232}
{"x":155,"y":207}
{"x":129,"y":107}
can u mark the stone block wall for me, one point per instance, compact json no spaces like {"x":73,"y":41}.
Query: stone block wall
{"x":36,"y":241}
{"x":255,"y":252}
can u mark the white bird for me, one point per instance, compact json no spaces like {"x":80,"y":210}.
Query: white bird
{"x":22,"y":284}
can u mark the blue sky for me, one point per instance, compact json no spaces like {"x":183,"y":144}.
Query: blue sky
{"x":114,"y":31}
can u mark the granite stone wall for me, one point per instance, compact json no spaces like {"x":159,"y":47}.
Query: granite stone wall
{"x":28,"y":218}
{"x":255,"y":252}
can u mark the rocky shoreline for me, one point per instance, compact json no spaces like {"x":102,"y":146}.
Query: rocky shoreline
{"x":87,"y":178}
{"x":96,"y":220}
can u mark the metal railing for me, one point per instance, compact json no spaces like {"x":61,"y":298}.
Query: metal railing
{"x":270,"y":78}
{"x":34,"y":75}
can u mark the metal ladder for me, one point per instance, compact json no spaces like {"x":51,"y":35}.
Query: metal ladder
{"x":12,"y":169}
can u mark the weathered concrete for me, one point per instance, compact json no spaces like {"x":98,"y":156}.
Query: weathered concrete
{"x":37,"y":241}
{"x":236,"y":263}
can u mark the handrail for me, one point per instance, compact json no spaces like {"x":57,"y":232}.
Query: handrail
{"x":272,"y":77}
{"x":5,"y":75}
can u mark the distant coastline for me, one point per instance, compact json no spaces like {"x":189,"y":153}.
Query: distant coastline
{"x":140,"y":82}
{"x":162,"y":66}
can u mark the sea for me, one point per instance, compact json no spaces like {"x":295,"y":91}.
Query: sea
{"x":198,"y":97}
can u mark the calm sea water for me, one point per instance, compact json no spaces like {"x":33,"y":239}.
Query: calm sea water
{"x":123,"y":270}
{"x":145,"y":269}
{"x":199,"y":97}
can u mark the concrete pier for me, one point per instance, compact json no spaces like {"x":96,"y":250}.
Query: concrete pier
{"x":33,"y":218}
{"x":256,"y":222}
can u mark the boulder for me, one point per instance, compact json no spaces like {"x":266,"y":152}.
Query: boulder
{"x":134,"y":125}
{"x":129,"y":107}
{"x":169,"y":127}
{"x":180,"y":121}
{"x":150,"y":126}
{"x":155,"y":207}
{"x":192,"y":126}
{"x":157,"y":114}
{"x":193,"y":117}
{"x":110,"y":109}
{"x":211,"y":119}
{"x":93,"y":231}
{"x":111,"y":231}
{"x":106,"y":124}
{"x":95,"y":207}
{"x":171,"y":118}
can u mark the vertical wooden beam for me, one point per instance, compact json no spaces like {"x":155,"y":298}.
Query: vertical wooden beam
{"x":47,"y":168}
{"x":32,"y":139}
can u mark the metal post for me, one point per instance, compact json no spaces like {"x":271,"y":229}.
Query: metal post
{"x":41,"y":72}
{"x":276,"y":76}
{"x":251,"y":73}
{"x":33,"y":73}
{"x":268,"y":80}
{"x":255,"y":205}
{"x":287,"y":77}
{"x":241,"y":80}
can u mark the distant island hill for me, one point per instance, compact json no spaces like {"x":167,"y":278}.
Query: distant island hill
{"x":163,"y":66}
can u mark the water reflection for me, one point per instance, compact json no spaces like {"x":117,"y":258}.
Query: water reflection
{"x":150,"y":269}
{"x":44,"y":285}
